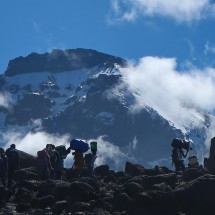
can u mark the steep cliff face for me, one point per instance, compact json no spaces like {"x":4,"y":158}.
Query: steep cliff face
{"x":82,"y":93}
{"x":59,"y":61}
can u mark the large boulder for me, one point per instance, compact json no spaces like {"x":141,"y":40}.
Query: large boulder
{"x":26,"y":160}
{"x":80,"y":192}
{"x":134,"y":169}
{"x":149,"y":181}
{"x":197,"y":196}
{"x":59,"y":207}
{"x":133,"y":188}
{"x":102,"y":170}
{"x":122,"y":201}
{"x":43,"y":202}
{"x":26,"y":174}
{"x":192,"y":173}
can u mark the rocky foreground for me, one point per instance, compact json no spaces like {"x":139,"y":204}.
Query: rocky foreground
{"x":134,"y":191}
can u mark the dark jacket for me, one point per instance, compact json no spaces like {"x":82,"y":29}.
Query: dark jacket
{"x":13,"y":158}
{"x":3,"y":164}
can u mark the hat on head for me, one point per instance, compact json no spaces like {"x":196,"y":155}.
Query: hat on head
{"x":13,"y":146}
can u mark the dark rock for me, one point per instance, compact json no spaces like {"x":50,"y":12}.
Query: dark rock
{"x":102,"y":170}
{"x":24,"y":195}
{"x":157,"y":171}
{"x":91,"y":181}
{"x":164,"y":202}
{"x":26,"y":160}
{"x":60,"y":61}
{"x":122,"y":202}
{"x":102,"y":203}
{"x":26,"y":174}
{"x":23,"y":207}
{"x":148,"y":181}
{"x":46,"y":188}
{"x":197,"y":196}
{"x":80,"y":207}
{"x":162,"y":187}
{"x":43,"y":202}
{"x":192,"y":173}
{"x":142,"y":204}
{"x":133,"y":188}
{"x":3,"y":193}
{"x":134,"y":169}
{"x":61,"y":190}
{"x":80,"y":192}
{"x":59,"y":207}
{"x":28,"y":184}
{"x":110,"y":179}
{"x":31,"y":106}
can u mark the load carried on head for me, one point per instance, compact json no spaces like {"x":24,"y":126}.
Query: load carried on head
{"x":79,"y":145}
{"x":181,"y":144}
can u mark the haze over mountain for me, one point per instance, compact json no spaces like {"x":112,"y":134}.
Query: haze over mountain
{"x":134,"y":110}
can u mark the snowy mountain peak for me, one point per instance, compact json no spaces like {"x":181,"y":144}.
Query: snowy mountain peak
{"x":84,"y":94}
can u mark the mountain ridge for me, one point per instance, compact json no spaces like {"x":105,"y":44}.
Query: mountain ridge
{"x":61,"y":60}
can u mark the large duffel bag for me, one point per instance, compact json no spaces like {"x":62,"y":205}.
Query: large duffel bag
{"x":183,"y":144}
{"x":80,"y":145}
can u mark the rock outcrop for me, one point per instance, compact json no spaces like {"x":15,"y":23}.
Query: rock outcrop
{"x":136,"y":191}
{"x":61,"y":60}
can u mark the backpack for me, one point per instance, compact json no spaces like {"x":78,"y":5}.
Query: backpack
{"x":61,"y":149}
{"x":42,"y":157}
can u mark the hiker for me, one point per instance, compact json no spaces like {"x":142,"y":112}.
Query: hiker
{"x":63,"y":152}
{"x":79,"y":146}
{"x":79,"y":164}
{"x":54,"y":158}
{"x":43,"y":165}
{"x":177,"y":159}
{"x":90,"y":158}
{"x":3,"y":166}
{"x":13,"y":163}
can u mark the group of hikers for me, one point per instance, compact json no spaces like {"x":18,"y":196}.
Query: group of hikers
{"x":50,"y":161}
{"x":9,"y":163}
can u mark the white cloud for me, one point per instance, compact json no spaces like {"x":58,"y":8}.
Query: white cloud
{"x":4,"y":100}
{"x":33,"y":142}
{"x":110,"y":154}
{"x":209,"y":48}
{"x":183,"y":10}
{"x":36,"y":26}
{"x":173,"y":94}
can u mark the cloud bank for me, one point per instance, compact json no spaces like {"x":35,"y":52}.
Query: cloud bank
{"x":181,"y":11}
{"x":110,"y":154}
{"x":175,"y":95}
{"x":4,"y":100}
{"x":33,"y":142}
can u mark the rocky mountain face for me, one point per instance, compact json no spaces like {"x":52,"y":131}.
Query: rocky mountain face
{"x":82,"y":93}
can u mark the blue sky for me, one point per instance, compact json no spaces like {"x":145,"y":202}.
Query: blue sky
{"x":130,"y":29}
